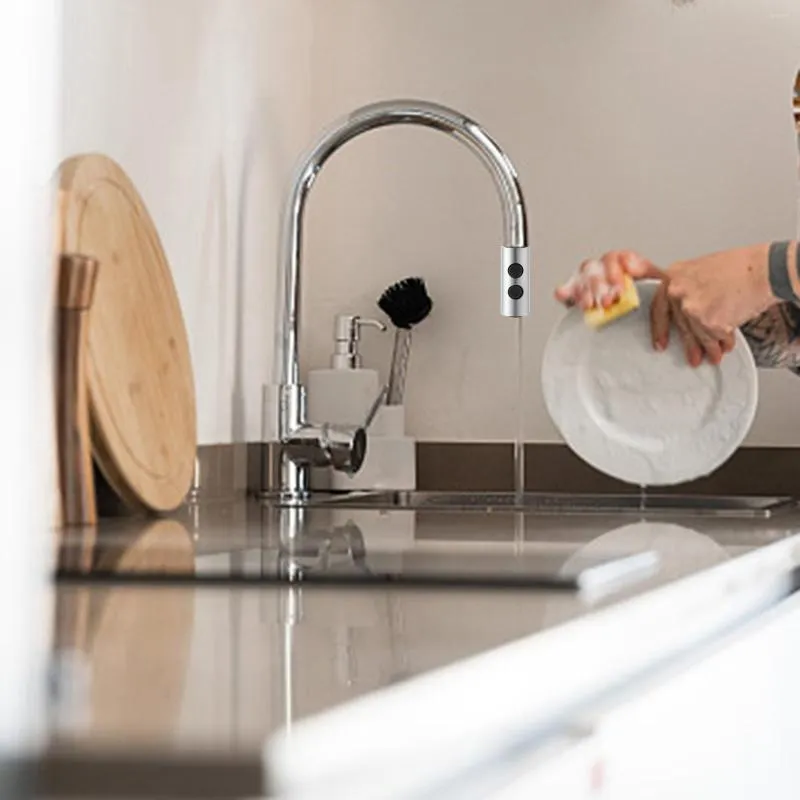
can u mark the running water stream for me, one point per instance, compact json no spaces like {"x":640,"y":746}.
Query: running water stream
{"x":519,"y":434}
{"x":519,"y":449}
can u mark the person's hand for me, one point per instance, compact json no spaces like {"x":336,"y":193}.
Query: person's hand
{"x":699,"y":342}
{"x":599,"y":282}
{"x":722,"y":291}
{"x":708,"y":298}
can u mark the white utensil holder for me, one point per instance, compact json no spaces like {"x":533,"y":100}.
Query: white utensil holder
{"x":391,"y":461}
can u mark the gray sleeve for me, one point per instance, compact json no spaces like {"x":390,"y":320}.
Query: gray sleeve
{"x":780,"y":280}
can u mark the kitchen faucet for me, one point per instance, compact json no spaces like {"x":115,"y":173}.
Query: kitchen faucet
{"x":302,"y":444}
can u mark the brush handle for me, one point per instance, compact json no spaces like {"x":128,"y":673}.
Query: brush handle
{"x":397,"y":373}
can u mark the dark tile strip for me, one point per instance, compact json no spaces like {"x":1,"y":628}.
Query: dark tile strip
{"x":224,"y":470}
{"x":456,"y":466}
{"x":202,"y":777}
{"x":761,"y":471}
{"x":488,"y":467}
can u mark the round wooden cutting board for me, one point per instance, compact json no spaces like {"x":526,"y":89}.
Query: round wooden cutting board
{"x":139,"y":370}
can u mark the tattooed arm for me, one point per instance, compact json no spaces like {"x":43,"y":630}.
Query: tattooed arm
{"x":774,"y":337}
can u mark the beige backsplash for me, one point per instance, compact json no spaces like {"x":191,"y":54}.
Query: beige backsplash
{"x":631,"y":123}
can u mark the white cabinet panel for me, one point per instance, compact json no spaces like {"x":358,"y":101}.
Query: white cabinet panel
{"x":726,"y":727}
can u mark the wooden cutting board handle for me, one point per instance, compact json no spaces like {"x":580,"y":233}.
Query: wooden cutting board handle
{"x":77,"y":277}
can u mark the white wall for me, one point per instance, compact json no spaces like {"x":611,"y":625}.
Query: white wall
{"x":185,"y":94}
{"x":632,"y":123}
{"x":28,"y":85}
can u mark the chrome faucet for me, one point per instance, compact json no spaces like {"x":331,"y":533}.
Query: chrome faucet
{"x":301,"y":444}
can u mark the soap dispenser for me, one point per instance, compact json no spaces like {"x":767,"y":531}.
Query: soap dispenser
{"x":344,"y":393}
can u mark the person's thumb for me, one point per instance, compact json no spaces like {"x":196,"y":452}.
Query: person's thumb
{"x":640,"y":268}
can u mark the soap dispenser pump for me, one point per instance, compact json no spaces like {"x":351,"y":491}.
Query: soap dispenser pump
{"x":346,"y":336}
{"x":344,"y":393}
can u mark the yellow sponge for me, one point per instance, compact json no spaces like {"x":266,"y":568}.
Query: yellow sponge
{"x":628,"y":301}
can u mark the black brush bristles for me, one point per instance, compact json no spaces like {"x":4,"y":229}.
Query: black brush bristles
{"x":406,"y":302}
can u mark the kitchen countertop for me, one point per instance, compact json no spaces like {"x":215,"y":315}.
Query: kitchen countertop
{"x":162,"y":661}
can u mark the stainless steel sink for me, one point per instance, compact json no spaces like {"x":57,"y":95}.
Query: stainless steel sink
{"x":633,"y":504}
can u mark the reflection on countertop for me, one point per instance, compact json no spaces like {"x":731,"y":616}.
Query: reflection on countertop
{"x":240,"y":541}
{"x":182,"y":662}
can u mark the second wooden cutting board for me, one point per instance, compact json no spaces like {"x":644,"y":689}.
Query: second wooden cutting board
{"x":139,"y":370}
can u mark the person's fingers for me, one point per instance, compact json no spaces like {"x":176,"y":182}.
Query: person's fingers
{"x":659,"y":319}
{"x":691,"y":346}
{"x":596,"y":285}
{"x":575,"y":291}
{"x":594,"y":279}
{"x":571,"y":293}
{"x":711,"y":347}
{"x":614,"y":270}
{"x":728,"y":342}
{"x":600,"y":282}
{"x":708,"y":341}
{"x":566,"y":292}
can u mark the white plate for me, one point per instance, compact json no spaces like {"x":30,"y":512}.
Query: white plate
{"x":645,"y":417}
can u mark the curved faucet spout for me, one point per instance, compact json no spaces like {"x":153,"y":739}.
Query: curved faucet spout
{"x":514,"y":257}
{"x":378,"y":115}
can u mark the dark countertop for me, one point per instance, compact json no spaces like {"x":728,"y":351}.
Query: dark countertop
{"x":172,"y":669}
